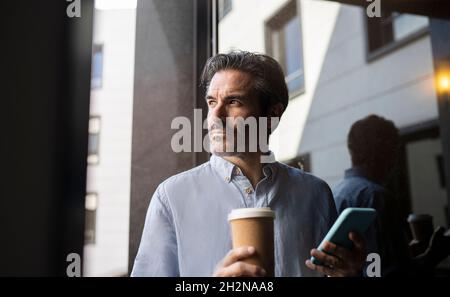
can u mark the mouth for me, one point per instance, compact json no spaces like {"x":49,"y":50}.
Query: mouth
{"x":217,"y":133}
{"x":217,"y":136}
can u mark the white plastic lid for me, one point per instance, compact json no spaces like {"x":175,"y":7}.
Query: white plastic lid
{"x":258,"y":212}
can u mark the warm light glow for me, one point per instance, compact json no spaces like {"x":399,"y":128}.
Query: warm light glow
{"x":443,"y":83}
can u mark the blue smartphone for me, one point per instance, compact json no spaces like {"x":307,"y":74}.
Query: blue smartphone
{"x":351,"y":219}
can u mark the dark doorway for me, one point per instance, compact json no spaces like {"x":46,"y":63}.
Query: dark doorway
{"x":418,"y":182}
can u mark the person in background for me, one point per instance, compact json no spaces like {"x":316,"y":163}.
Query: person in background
{"x":373,"y":143}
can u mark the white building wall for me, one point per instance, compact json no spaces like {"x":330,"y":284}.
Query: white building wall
{"x":113,"y":102}
{"x":341,"y":86}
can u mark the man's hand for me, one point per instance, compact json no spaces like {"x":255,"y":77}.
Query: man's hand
{"x":339,"y":261}
{"x":232,"y":265}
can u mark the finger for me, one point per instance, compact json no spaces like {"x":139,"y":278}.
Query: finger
{"x":357,"y":240}
{"x":322,"y":269}
{"x":336,"y":250}
{"x":327,"y":260}
{"x":243,"y":269}
{"x":238,"y":254}
{"x":310,"y":264}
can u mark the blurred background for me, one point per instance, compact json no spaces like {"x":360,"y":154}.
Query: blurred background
{"x":88,"y":103}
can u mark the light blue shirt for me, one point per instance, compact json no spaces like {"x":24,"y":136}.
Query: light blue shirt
{"x":186,"y":231}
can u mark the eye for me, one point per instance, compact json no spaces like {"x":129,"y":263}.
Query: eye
{"x":234,"y":102}
{"x":211,"y":103}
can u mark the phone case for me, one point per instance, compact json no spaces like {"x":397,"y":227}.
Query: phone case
{"x":351,"y":219}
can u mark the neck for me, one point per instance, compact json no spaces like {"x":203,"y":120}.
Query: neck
{"x":370,"y":174}
{"x":250,"y":165}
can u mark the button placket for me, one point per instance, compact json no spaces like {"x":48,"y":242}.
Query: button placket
{"x":262,"y":191}
{"x":246,"y":188}
{"x":250,"y":194}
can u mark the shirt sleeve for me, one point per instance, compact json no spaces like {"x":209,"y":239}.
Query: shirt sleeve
{"x":328,"y":212}
{"x":157,"y":254}
{"x":332,"y":209}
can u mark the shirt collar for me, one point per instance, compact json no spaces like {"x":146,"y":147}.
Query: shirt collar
{"x":354,"y":172}
{"x":223,"y":167}
{"x":227,"y":169}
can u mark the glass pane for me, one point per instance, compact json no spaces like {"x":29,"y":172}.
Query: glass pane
{"x":89,"y":232}
{"x":406,"y":24}
{"x":346,"y":88}
{"x":277,"y":48}
{"x":97,"y":69}
{"x":295,"y":84}
{"x":224,"y":8}
{"x":93,"y":144}
{"x":292,"y":46}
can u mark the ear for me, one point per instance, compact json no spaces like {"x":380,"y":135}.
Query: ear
{"x":275,"y":111}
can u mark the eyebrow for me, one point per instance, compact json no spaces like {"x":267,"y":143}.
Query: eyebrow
{"x":231,"y":96}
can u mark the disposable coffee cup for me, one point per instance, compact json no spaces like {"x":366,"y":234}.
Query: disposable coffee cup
{"x":421,"y":226}
{"x":254,"y":227}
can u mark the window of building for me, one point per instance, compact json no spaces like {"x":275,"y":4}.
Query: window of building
{"x":97,"y":66}
{"x":94,"y":140}
{"x":90,"y":218}
{"x":284,"y":43}
{"x":224,"y":8}
{"x":393,"y":30}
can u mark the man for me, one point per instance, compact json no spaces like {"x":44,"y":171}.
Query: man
{"x":373,"y":143}
{"x":186,"y":231}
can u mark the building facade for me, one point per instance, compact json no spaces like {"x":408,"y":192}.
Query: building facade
{"x":110,"y":133}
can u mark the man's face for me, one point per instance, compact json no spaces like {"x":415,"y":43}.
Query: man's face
{"x":229,"y":96}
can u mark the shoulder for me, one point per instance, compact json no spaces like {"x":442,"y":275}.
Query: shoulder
{"x":312,"y":195}
{"x":178,"y":185}
{"x":303,"y":178}
{"x":357,"y":192}
{"x":357,"y":185}
{"x":188,"y":177}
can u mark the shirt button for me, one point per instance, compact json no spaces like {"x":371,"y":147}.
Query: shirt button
{"x":227,"y":178}
{"x":248,"y":190}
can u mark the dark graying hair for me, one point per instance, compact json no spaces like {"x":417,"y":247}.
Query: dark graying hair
{"x":268,"y":78}
{"x":374,"y":144}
